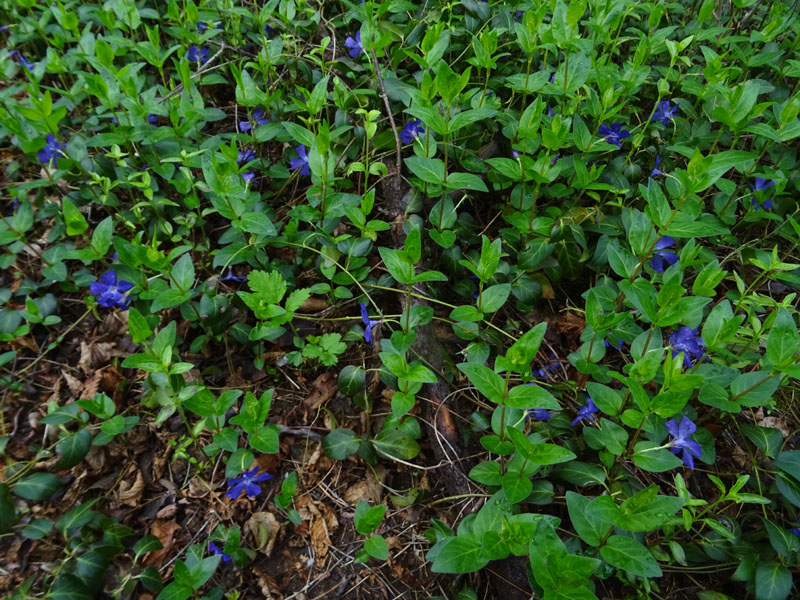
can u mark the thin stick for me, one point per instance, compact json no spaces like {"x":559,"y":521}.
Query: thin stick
{"x":388,"y":112}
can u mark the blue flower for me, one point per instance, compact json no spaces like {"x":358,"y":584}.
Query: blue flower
{"x":270,"y":31}
{"x":369,"y":324}
{"x":796,"y":530}
{"x":196,"y":54}
{"x":664,"y":257}
{"x":614,"y":134}
{"x":762,"y":185}
{"x":354,"y":45}
{"x":411,"y":131}
{"x":665,"y":112}
{"x":301,"y":162}
{"x":688,"y":341}
{"x":257,"y":118}
{"x":16,"y":55}
{"x":51,"y":149}
{"x":231,"y":277}
{"x":538,"y":413}
{"x":152,"y":119}
{"x":245,"y":157}
{"x":618,"y":345}
{"x":216,"y":551}
{"x":248,"y":483}
{"x":110,"y":292}
{"x":202,"y":26}
{"x":515,"y":154}
{"x":248,"y":177}
{"x":656,"y":170}
{"x":691,"y":449}
{"x":586,"y":412}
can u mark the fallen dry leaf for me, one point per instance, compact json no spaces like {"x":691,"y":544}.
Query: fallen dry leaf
{"x":264,"y":528}
{"x":368,"y":489}
{"x":313,"y":305}
{"x":322,"y":521}
{"x":95,"y":355}
{"x":322,"y":390}
{"x":73,"y":383}
{"x":165,"y":532}
{"x":129,"y":493}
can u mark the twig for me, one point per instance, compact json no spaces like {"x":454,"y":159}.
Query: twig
{"x":398,"y":160}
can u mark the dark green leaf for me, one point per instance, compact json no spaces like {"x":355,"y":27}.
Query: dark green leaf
{"x":39,"y":486}
{"x":630,"y":556}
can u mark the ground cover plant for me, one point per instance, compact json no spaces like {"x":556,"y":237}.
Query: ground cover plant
{"x":403,"y":299}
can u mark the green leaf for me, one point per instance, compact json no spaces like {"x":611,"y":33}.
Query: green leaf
{"x":138,"y":326}
{"x":396,"y":444}
{"x":351,"y":380}
{"x":773,"y":581}
{"x":754,"y":388}
{"x":487,"y":473}
{"x":69,"y":587}
{"x":240,"y":461}
{"x":175,"y":591}
{"x":531,"y":396}
{"x":101,"y":238}
{"x":766,"y":439}
{"x":516,"y":485}
{"x":549,"y":454}
{"x":607,"y":399}
{"x":789,"y":462}
{"x":489,"y":383}
{"x":429,"y":170}
{"x":77,"y":517}
{"x":300,"y":134}
{"x":580,"y":473}
{"x":465,"y":181}
{"x":202,"y":571}
{"x":148,"y":543}
{"x":400,"y":267}
{"x":591,"y":525}
{"x":630,"y":556}
{"x":377,"y":547}
{"x":493,"y":297}
{"x":647,"y":511}
{"x":39,"y":486}
{"x":183,"y":273}
{"x":461,"y":554}
{"x":37,"y":529}
{"x":366,"y":518}
{"x":73,"y":447}
{"x":783,"y":341}
{"x":73,"y":218}
{"x":340,"y":443}
{"x":266,"y":440}
{"x":648,"y":456}
{"x":7,"y":513}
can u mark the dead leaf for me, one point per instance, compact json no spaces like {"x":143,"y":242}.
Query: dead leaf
{"x":368,"y":489}
{"x":95,"y":355}
{"x":91,"y":385}
{"x":73,"y":383}
{"x":322,"y":390}
{"x":129,"y":493}
{"x":165,"y":532}
{"x":198,"y":488}
{"x":264,"y":528}
{"x":322,"y":521}
{"x":778,"y":423}
{"x":313,"y":305}
{"x":266,"y":584}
